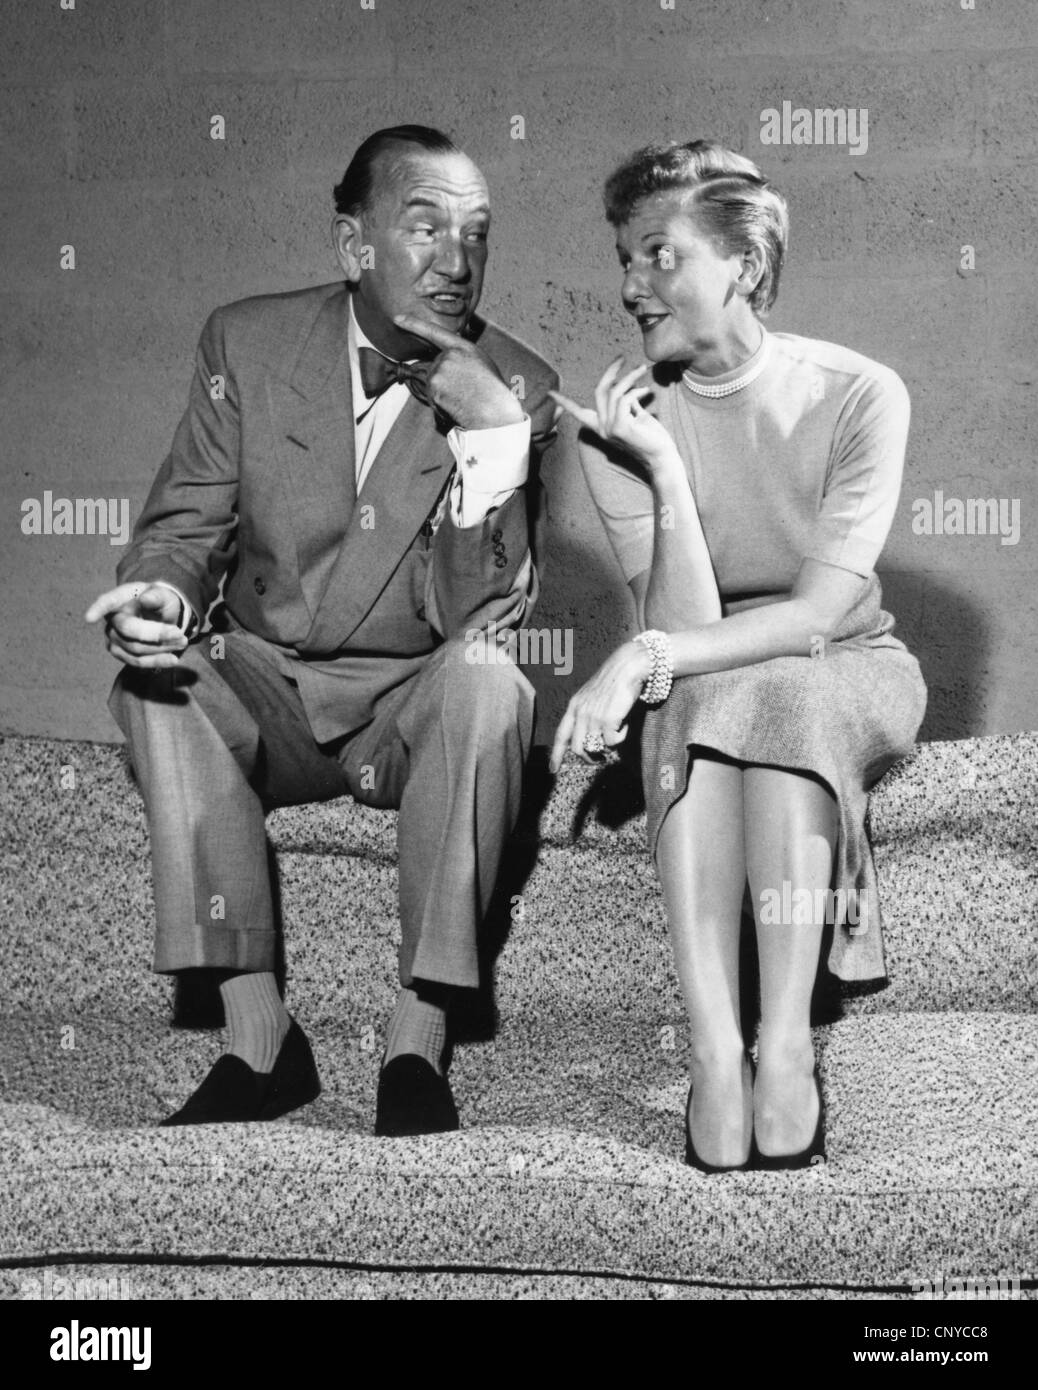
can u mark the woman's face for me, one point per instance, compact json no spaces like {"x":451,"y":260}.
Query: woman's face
{"x":677,"y":285}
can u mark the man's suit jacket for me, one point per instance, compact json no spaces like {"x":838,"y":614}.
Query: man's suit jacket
{"x":258,"y":491}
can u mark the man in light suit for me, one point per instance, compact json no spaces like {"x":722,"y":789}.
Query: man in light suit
{"x":358,"y":466}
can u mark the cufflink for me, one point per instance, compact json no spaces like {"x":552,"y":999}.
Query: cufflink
{"x":186,"y":621}
{"x":182,"y":616}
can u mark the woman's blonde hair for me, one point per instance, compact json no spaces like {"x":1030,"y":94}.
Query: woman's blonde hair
{"x":731,"y":201}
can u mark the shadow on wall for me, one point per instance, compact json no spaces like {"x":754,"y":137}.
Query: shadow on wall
{"x":588,"y":610}
{"x":948,"y":634}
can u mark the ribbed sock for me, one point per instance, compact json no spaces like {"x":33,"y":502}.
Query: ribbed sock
{"x":419,"y":1024}
{"x":257,"y":1020}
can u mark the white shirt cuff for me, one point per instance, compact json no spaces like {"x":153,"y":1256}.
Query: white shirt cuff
{"x":492,"y":463}
{"x":188,"y":619}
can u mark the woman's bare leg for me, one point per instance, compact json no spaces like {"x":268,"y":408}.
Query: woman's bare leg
{"x":790,"y":837}
{"x":702,"y":868}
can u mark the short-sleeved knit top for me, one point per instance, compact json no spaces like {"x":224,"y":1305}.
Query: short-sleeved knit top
{"x":804,"y":462}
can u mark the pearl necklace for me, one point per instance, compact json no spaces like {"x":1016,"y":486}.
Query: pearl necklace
{"x":728,"y":388}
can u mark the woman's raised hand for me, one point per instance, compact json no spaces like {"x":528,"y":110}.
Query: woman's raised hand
{"x":620,"y":418}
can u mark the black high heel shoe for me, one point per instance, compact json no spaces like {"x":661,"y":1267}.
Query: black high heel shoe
{"x":806,"y":1158}
{"x":692,"y":1158}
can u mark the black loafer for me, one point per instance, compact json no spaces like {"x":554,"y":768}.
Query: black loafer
{"x":413,"y":1099}
{"x":233,"y":1093}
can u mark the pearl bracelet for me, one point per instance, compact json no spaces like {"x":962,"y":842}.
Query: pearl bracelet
{"x":661,"y":678}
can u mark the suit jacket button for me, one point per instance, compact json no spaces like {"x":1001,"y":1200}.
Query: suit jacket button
{"x":500,"y":562}
{"x":420,"y":615}
{"x":496,"y":535}
{"x":259,"y":586}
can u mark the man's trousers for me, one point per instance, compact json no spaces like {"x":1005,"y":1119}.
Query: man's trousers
{"x":223,"y":737}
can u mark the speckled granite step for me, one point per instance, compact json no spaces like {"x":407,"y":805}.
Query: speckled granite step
{"x":569,"y":1161}
{"x":956,"y":842}
{"x":180,"y":1280}
{"x":567,"y":1175}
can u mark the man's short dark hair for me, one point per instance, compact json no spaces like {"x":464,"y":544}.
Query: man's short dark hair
{"x":354,"y":194}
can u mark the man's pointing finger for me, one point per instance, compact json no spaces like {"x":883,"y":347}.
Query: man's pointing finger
{"x":113,"y":600}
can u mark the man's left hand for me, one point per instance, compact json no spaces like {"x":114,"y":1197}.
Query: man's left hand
{"x":462,"y":381}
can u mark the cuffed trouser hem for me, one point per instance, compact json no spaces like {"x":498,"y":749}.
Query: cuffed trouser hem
{"x":202,"y":948}
{"x":461,"y":973}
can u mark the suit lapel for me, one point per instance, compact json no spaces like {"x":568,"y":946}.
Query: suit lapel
{"x":399,"y":492}
{"x":312,"y":413}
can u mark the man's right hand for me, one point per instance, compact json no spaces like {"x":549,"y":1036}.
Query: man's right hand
{"x":141,"y":624}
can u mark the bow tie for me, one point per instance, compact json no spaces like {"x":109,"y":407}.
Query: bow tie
{"x":378,"y":374}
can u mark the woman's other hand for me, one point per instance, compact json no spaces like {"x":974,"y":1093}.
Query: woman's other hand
{"x":620,"y":418}
{"x":602,"y":704}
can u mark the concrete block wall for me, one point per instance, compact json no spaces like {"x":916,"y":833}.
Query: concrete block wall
{"x":105,"y":112}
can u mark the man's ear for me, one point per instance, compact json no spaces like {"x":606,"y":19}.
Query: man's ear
{"x":348,"y":240}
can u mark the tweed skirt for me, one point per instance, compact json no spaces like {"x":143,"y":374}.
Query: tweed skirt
{"x":846,"y":717}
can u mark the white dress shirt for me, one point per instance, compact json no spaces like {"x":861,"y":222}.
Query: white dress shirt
{"x":492,"y":463}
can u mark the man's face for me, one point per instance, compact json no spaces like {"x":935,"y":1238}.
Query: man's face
{"x":424,"y":244}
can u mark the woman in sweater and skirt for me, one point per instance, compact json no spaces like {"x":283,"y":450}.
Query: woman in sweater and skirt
{"x":747,"y":487}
